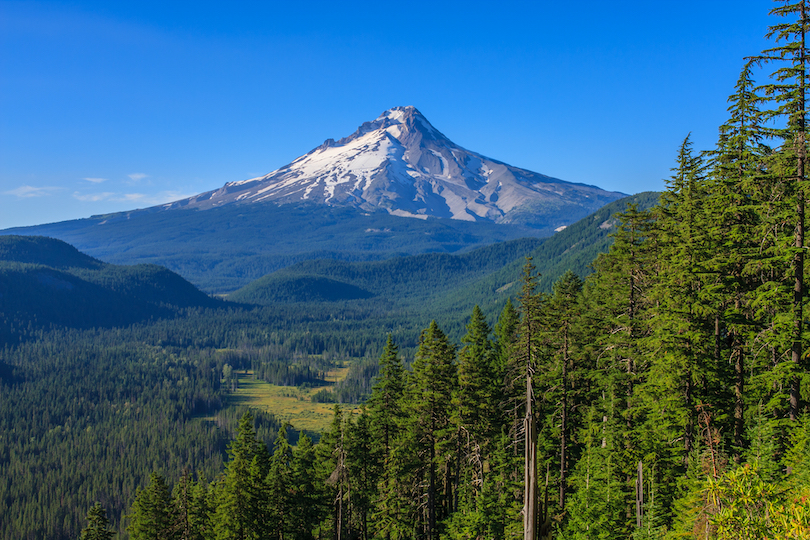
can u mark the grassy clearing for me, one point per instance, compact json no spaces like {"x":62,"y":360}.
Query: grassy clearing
{"x":288,"y":402}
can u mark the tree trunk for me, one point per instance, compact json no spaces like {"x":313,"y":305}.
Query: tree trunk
{"x":739,"y":380}
{"x":564,"y":427}
{"x":530,"y":468}
{"x":640,"y":495}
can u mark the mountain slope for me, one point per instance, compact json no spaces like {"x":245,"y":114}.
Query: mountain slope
{"x":225,"y":248}
{"x":404,"y":280}
{"x":45,"y":251}
{"x":574,"y":248}
{"x":401,"y":164}
{"x":448,"y":285}
{"x":45,"y":281}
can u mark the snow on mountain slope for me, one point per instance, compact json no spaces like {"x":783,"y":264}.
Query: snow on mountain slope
{"x":402,"y":164}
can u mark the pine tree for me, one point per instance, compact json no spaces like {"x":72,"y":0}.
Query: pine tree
{"x":683,"y":325}
{"x":789,"y":94}
{"x":479,"y":416}
{"x":384,"y":404}
{"x":735,"y":196}
{"x":364,"y":472}
{"x":614,"y":324}
{"x":559,"y":318}
{"x":332,"y":469}
{"x":385,"y":419}
{"x":191,"y":509}
{"x":500,"y":501}
{"x":151,"y":516}
{"x":97,"y":525}
{"x":505,"y":336}
{"x":278,"y":518}
{"x":307,"y":504}
{"x":431,"y":433}
{"x":478,"y":396}
{"x":598,"y":505}
{"x":524,"y":364}
{"x":239,"y":504}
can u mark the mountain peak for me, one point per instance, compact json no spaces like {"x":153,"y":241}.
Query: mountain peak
{"x":408,"y":115}
{"x":403,"y":165}
{"x":396,"y":113}
{"x":399,"y":122}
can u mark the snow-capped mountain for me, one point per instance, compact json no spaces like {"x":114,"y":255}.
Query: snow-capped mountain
{"x":402,"y":164}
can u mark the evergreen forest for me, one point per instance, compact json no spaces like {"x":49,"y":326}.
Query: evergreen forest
{"x":660,"y":394}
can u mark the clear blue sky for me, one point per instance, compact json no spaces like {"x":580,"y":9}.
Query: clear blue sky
{"x":108,"y":106}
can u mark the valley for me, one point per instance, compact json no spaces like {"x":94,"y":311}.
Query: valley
{"x":290,"y":404}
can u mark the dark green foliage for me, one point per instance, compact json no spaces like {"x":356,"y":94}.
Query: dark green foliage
{"x":306,"y":503}
{"x":649,"y":399}
{"x":151,"y":516}
{"x":97,"y":525}
{"x":430,"y":431}
{"x":238,"y":496}
{"x":384,"y":404}
{"x":288,"y":289}
{"x":276,"y":504}
{"x":478,"y":383}
{"x":129,"y":401}
{"x":45,"y":252}
{"x":88,"y":415}
{"x":46,"y":281}
{"x":192,"y":508}
{"x":788,"y":100}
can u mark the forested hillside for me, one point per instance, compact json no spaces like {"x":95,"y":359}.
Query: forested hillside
{"x":443,"y":285}
{"x":46,"y":282}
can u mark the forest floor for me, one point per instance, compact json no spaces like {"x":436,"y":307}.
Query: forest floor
{"x":289,"y":403}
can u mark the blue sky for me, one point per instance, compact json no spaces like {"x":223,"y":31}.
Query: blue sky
{"x":110,"y":106}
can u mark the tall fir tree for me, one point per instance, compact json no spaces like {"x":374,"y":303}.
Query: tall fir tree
{"x":307,"y":503}
{"x":789,"y":94}
{"x":238,"y":495}
{"x":683,"y":366}
{"x":385,"y":418}
{"x":563,"y":375}
{"x":277,"y":509}
{"x":332,"y":470}
{"x":151,"y":514}
{"x":97,"y":525}
{"x":431,"y":429}
{"x":364,"y":471}
{"x":615,"y":323}
{"x":734,"y":199}
{"x":522,"y":373}
{"x":191,"y":509}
